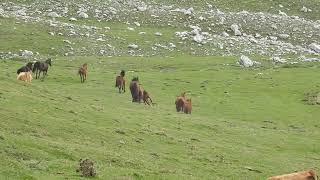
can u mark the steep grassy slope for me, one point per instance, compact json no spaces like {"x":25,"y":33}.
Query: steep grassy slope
{"x":242,"y":120}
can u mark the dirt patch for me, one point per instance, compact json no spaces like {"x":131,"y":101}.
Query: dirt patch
{"x":312,"y":98}
{"x":86,"y":167}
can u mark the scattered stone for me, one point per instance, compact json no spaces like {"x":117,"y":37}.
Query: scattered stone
{"x":133,"y":46}
{"x":171,"y":45}
{"x":26,"y":53}
{"x":284,"y":36}
{"x":67,"y":41}
{"x":137,"y":24}
{"x":130,"y":29}
{"x":305,"y":9}
{"x":83,"y":15}
{"x":53,"y":15}
{"x":235,"y":29}
{"x":142,"y":8}
{"x":158,"y":34}
{"x":73,"y":19}
{"x":278,"y":60}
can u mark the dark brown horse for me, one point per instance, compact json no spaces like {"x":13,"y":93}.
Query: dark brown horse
{"x":41,"y":67}
{"x":120,"y":82}
{"x":83,"y":70}
{"x":26,"y":68}
{"x":134,"y":89}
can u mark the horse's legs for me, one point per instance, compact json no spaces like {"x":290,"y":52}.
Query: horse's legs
{"x":80,"y":77}
{"x":124,"y":85}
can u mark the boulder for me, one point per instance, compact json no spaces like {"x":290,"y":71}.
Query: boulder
{"x":315,"y":47}
{"x":83,"y":15}
{"x":245,"y":61}
{"x":53,"y":15}
{"x":26,"y":53}
{"x":235,"y":29}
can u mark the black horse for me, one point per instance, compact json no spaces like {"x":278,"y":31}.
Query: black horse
{"x":26,"y":68}
{"x":39,"y":67}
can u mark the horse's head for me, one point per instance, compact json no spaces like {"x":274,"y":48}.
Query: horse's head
{"x":122,"y":73}
{"x":48,"y":61}
{"x":29,"y":65}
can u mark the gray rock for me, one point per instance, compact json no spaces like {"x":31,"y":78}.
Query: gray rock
{"x":315,"y":47}
{"x":83,"y":15}
{"x":26,"y":53}
{"x":53,"y":15}
{"x":245,"y":61}
{"x":133,"y":46}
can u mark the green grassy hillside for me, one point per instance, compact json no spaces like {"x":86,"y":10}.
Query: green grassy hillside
{"x":246,"y":123}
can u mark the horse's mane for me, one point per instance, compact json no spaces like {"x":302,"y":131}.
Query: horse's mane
{"x":135,"y":79}
{"x":48,"y":61}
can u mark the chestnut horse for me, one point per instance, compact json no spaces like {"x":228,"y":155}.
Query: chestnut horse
{"x":120,"y":82}
{"x":83,"y":72}
{"x":180,"y":101}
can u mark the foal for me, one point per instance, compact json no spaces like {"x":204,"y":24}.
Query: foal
{"x":188,"y":106}
{"x":83,"y":72}
{"x":146,"y":97}
{"x":120,"y":82}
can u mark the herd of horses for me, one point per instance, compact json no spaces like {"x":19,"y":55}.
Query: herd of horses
{"x":138,"y":93}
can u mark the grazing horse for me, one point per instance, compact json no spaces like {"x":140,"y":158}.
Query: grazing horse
{"x":134,"y":89}
{"x":83,"y":72}
{"x":180,"y":101}
{"x":39,"y":67}
{"x":26,"y":68}
{"x":188,"y":106}
{"x":25,"y":76}
{"x":120,"y":82}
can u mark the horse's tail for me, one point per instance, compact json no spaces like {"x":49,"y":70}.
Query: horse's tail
{"x":117,"y":81}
